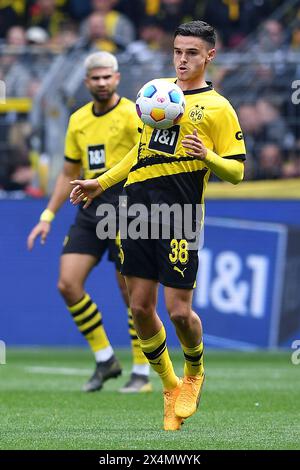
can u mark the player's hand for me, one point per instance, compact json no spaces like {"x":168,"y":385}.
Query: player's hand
{"x":85,"y":190}
{"x":42,"y":229}
{"x":194,"y":145}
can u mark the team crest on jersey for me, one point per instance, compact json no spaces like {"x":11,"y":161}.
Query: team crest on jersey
{"x":114,"y":128}
{"x":196,"y":113}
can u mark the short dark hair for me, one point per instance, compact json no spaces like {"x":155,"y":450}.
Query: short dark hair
{"x":199,"y":29}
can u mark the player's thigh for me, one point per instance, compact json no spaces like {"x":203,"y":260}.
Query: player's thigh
{"x":75,"y":268}
{"x":142,"y":292}
{"x":178,"y":300}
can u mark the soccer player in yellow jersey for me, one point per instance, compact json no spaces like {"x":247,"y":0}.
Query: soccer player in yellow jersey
{"x":99,"y":135}
{"x":172,"y":167}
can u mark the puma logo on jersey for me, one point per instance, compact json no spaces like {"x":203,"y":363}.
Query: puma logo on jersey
{"x":181,"y":271}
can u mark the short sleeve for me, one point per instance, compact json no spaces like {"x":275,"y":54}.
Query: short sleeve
{"x":72,"y":150}
{"x":227,"y":135}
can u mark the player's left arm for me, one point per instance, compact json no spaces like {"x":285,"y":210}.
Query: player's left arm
{"x":226,"y":161}
{"x":227,"y":169}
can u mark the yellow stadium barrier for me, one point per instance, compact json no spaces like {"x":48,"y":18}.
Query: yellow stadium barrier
{"x":264,"y":189}
{"x":19,"y":105}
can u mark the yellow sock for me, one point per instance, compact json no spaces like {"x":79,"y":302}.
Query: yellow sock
{"x":156,"y":352}
{"x":193,"y":360}
{"x":137,"y":353}
{"x":89,"y":322}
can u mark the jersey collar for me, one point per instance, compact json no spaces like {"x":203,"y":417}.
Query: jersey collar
{"x":209,"y":87}
{"x":108,"y":111}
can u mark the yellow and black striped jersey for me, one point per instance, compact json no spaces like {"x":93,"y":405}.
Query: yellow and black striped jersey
{"x":99,"y":142}
{"x":165,"y":171}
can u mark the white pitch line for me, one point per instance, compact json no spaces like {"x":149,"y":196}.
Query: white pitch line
{"x":57,"y":370}
{"x":62,"y":370}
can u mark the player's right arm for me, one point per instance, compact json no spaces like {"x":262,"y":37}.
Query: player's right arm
{"x":60,"y":194}
{"x":89,"y":189}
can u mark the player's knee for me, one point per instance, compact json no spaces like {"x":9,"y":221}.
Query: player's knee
{"x":68,"y":290}
{"x":180,"y":316}
{"x":140,"y":311}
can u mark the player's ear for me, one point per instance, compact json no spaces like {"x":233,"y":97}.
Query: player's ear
{"x":118,"y":77}
{"x":210,"y":55}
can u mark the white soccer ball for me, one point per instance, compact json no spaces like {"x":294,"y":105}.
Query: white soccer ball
{"x":160,"y":104}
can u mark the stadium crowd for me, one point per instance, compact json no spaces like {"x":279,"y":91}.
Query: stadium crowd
{"x":32,"y":32}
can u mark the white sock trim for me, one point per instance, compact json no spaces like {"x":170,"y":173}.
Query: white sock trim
{"x":104,"y":354}
{"x":141,"y":369}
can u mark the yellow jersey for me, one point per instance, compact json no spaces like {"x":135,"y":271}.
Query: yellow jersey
{"x":158,"y":169}
{"x":162,"y":164}
{"x":99,"y":142}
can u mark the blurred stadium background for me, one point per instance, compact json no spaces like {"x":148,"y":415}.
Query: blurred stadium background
{"x":248,"y":284}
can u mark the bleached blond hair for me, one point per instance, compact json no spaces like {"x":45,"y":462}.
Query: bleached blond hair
{"x":100,"y":59}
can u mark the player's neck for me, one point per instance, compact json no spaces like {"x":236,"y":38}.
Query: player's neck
{"x":101,"y":107}
{"x":191,"y":84}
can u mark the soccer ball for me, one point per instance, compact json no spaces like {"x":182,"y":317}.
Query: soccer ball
{"x":160,"y":104}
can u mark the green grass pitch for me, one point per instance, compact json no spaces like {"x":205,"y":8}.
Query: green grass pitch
{"x":250,"y":401}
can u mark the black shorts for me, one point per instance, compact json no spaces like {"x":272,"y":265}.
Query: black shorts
{"x":83,"y":240}
{"x":168,"y":261}
{"x":82,"y":237}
